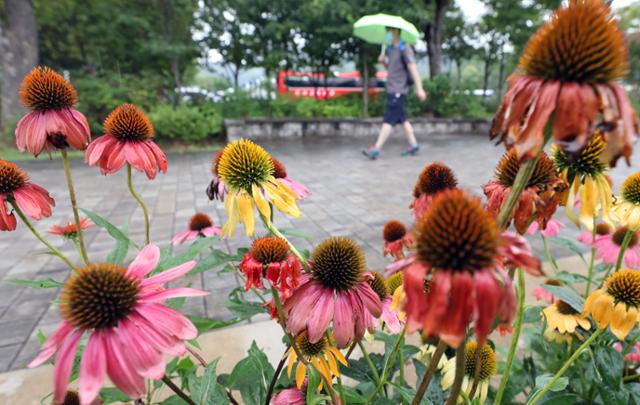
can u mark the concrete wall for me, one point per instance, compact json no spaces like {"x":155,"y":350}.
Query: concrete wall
{"x":263,"y":128}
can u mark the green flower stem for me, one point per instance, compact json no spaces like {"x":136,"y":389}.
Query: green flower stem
{"x":74,"y":205}
{"x":517,"y":327}
{"x":548,"y":255}
{"x":37,"y":234}
{"x":459,"y":377}
{"x":274,"y":379}
{"x":401,"y":364}
{"x":592,"y":261}
{"x":519,"y":184}
{"x":275,"y":232}
{"x":141,"y":203}
{"x":430,"y":372}
{"x":372,"y":367}
{"x":184,"y":396}
{"x":623,"y":248}
{"x":292,"y":342}
{"x":385,"y":369}
{"x":341,"y":390}
{"x":564,"y":368}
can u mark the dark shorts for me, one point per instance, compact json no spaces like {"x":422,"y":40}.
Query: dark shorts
{"x":394,"y":111}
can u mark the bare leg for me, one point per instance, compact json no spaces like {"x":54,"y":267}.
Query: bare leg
{"x":385,"y":131}
{"x":408,"y":131}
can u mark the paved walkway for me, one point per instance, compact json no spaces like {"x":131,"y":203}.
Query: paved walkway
{"x":351,"y":196}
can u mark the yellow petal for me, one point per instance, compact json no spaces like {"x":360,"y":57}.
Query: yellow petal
{"x":588,"y":203}
{"x":621,"y":321}
{"x":301,"y":372}
{"x":245,"y":208}
{"x":571,"y":200}
{"x":292,"y":359}
{"x":339,"y":356}
{"x":262,"y":205}
{"x":333,"y":366}
{"x":231,"y":206}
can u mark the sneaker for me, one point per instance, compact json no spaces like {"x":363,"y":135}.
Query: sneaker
{"x":411,"y":150}
{"x":371,"y":152}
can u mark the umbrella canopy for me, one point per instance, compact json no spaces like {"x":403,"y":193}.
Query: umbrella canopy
{"x":372,"y":28}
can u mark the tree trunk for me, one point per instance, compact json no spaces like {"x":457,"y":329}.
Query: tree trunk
{"x":19,"y":50}
{"x":501,"y":73}
{"x":459,"y":71}
{"x":236,"y":77}
{"x":487,"y":73}
{"x":365,"y":82}
{"x":433,"y":36}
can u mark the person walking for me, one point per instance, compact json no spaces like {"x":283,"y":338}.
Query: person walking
{"x":400,"y":62}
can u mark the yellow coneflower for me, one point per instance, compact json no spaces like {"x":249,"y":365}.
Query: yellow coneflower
{"x":488,"y":368}
{"x":585,"y":174}
{"x":616,"y":304}
{"x":562,"y":321}
{"x":396,"y":290}
{"x":626,"y":207}
{"x":321,"y":354}
{"x":247,"y":171}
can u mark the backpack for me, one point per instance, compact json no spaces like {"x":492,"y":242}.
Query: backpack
{"x":401,"y":48}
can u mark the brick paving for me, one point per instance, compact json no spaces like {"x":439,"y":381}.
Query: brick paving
{"x":351,"y":196}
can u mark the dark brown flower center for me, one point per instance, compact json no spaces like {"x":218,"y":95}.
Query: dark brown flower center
{"x":98,"y":296}
{"x":128,"y":123}
{"x":564,"y":308}
{"x":509,"y":166}
{"x":393,"y":231}
{"x":43,"y":90}
{"x":620,"y":233}
{"x":270,"y":249}
{"x":309,"y":349}
{"x":200,"y":221}
{"x":624,"y":286}
{"x":631,"y":189}
{"x":338,"y":263}
{"x":11,"y":177}
{"x":379,"y":286}
{"x":603,"y":229}
{"x":435,"y":177}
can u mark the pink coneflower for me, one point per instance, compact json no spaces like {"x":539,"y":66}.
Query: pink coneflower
{"x":457,"y":276}
{"x":200,"y":225}
{"x":552,"y":230}
{"x":633,"y":356}
{"x":15,"y":187}
{"x":270,"y":257}
{"x":389,"y":315}
{"x":280,"y":173}
{"x":396,"y":238}
{"x":129,"y":326}
{"x":336,"y":289}
{"x":543,"y":295}
{"x":291,"y":396}
{"x":588,"y":237}
{"x":128,"y":138}
{"x":608,"y":248}
{"x":53,"y":122}
{"x":434,"y":178}
{"x":70,"y":230}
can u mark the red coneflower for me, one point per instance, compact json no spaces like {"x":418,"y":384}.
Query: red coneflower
{"x":270,"y":257}
{"x":53,"y":122}
{"x":434,"y":178}
{"x":336,"y":289}
{"x":128,"y":323}
{"x":15,"y":187}
{"x":200,"y":225}
{"x":70,"y":230}
{"x":396,"y":237}
{"x":538,"y":201}
{"x":568,"y":72}
{"x":128,"y":138}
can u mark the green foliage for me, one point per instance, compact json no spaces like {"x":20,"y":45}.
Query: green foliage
{"x":251,"y":376}
{"x":185,"y":123}
{"x":446,"y":100}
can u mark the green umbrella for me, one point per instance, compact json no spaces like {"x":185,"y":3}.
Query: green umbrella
{"x":372,"y":28}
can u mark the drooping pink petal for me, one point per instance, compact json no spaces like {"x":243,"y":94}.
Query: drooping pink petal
{"x":343,"y":322}
{"x":182,"y":237}
{"x":31,"y":134}
{"x":389,"y":317}
{"x":52,"y":344}
{"x":211,"y":231}
{"x":145,"y":262}
{"x":487,"y":296}
{"x":163,"y":295}
{"x":97,"y":148}
{"x":462,"y":302}
{"x":318,"y":321}
{"x":64,"y":365}
{"x":169,"y":275}
{"x":166,"y":343}
{"x":92,"y":368}
{"x":168,"y":320}
{"x":7,"y":221}
{"x":146,"y":359}
{"x":121,"y":371}
{"x":369,"y":298}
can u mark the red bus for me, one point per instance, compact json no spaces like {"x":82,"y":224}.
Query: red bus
{"x":299,"y":84}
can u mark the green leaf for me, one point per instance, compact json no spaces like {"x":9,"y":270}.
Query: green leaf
{"x":206,"y":324}
{"x":570,"y":278}
{"x":212,"y":260}
{"x":610,"y":364}
{"x":567,"y":295}
{"x":206,"y":390}
{"x":543,"y":379}
{"x":44,"y":283}
{"x":241,"y":307}
{"x":569,"y":244}
{"x":251,"y":376}
{"x":560,"y":399}
{"x":110,"y":395}
{"x":111,"y":229}
{"x":167,"y":261}
{"x":613,"y":396}
{"x":531,"y":314}
{"x":295,"y":233}
{"x":119,"y":252}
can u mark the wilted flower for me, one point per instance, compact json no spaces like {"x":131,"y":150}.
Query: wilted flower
{"x":216,"y":189}
{"x":322,"y":354}
{"x":568,"y":71}
{"x":128,"y":138}
{"x":247,"y":172}
{"x":616,"y":303}
{"x":280,"y":173}
{"x":200,"y":225}
{"x":488,"y":368}
{"x":626,"y":207}
{"x":538,"y":200}
{"x":53,"y":122}
{"x":434,"y":178}
{"x":396,"y":238}
{"x":70,"y":230}
{"x":336,"y":289}
{"x":129,"y":326}
{"x":585,"y":174}
{"x":562,"y":321}
{"x":270,"y":257}
{"x":15,"y":186}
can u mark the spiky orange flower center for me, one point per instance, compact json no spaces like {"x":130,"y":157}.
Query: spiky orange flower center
{"x":435,"y":177}
{"x":509,"y":165}
{"x":624,"y":286}
{"x":488,"y":363}
{"x":338,"y":263}
{"x":200,"y":221}
{"x":11,"y":177}
{"x":603,"y":229}
{"x":98,"y":296}
{"x":215,"y":162}
{"x":128,"y":123}
{"x":631,"y":189}
{"x":582,"y":42}
{"x":43,"y":89}
{"x":279,"y":171}
{"x":393,"y":231}
{"x":309,"y":349}
{"x":379,"y":286}
{"x":270,"y":249}
{"x":620,"y":233}
{"x":457,"y":233}
{"x":394,"y":281}
{"x":244,"y":164}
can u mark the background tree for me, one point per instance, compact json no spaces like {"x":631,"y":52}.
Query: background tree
{"x":433,"y":32}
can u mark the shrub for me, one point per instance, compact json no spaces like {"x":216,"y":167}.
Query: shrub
{"x":185,"y":123}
